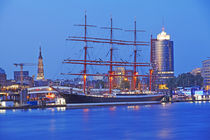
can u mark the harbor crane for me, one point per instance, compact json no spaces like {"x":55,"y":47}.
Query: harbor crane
{"x":21,"y":70}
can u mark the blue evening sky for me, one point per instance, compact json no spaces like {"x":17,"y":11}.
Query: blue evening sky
{"x":27,"y":24}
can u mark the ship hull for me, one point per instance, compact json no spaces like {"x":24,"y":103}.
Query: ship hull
{"x":75,"y":99}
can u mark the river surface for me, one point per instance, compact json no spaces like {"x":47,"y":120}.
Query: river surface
{"x":161,"y":121}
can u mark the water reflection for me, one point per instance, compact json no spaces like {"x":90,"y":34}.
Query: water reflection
{"x":85,"y":114}
{"x":147,"y":106}
{"x":198,"y":102}
{"x":51,"y":109}
{"x":61,"y":108}
{"x":165,"y":133}
{"x":166,"y":105}
{"x":163,"y":104}
{"x":85,"y":110}
{"x":112,"y":108}
{"x":133,"y":107}
{"x":161,"y":121}
{"x":52,"y":125}
{"x":2,"y":111}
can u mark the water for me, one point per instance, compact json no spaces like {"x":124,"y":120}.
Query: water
{"x":163,"y":121}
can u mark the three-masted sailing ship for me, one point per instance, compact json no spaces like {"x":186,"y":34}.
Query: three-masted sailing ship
{"x":110,"y":97}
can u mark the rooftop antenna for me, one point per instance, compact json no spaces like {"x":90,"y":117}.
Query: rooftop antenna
{"x":163,"y":28}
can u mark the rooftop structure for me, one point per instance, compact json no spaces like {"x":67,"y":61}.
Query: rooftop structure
{"x":3,"y":77}
{"x":2,"y":71}
{"x":196,"y":71}
{"x":163,"y":35}
{"x":205,"y":72}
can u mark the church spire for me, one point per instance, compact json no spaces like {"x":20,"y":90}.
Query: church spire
{"x":40,"y":53}
{"x":40,"y":75}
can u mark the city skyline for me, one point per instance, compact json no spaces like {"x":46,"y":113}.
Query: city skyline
{"x":25,"y":25}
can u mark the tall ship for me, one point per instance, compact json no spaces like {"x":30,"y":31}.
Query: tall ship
{"x":109,"y":95}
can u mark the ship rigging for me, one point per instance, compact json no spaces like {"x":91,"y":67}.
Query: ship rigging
{"x":85,"y":62}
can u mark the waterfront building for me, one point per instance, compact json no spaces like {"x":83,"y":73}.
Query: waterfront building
{"x":46,"y":92}
{"x":45,"y":82}
{"x":196,"y":71}
{"x":130,"y":79}
{"x":3,"y":77}
{"x":27,"y":80}
{"x":98,"y":77}
{"x":143,"y":84}
{"x":205,"y":72}
{"x":40,"y":75}
{"x":17,"y":75}
{"x":117,"y":80}
{"x":162,"y":59}
{"x":122,"y":81}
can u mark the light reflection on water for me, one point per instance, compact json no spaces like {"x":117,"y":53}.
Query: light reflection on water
{"x":2,"y":111}
{"x":133,"y":107}
{"x":61,"y":108}
{"x":164,"y":134}
{"x":162,"y":121}
{"x":112,"y":108}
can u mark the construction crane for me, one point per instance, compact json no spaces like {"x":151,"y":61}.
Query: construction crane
{"x":21,"y":70}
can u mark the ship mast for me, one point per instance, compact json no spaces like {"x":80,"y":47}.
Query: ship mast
{"x":135,"y":53}
{"x":111,"y":53}
{"x":109,"y":63}
{"x":151,"y":61}
{"x":85,"y":54}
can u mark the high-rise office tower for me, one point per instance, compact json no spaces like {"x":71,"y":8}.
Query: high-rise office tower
{"x":205,"y":72}
{"x":40,"y":75}
{"x":162,"y":59}
{"x":3,"y":77}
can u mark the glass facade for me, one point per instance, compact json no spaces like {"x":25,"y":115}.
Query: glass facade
{"x":205,"y":72}
{"x":162,"y":57}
